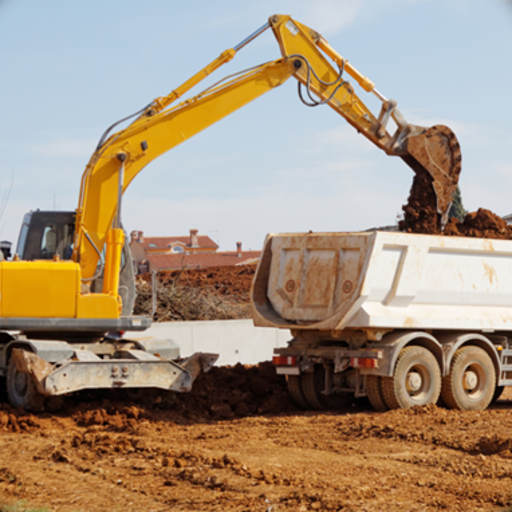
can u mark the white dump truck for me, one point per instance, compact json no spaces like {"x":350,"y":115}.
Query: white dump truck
{"x":404,"y":319}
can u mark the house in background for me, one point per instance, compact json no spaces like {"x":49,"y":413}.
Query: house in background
{"x":176,"y":252}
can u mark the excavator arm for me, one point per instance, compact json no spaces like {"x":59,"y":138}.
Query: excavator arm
{"x":320,"y":71}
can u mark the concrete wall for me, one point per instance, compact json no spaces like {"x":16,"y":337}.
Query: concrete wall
{"x":237,"y":341}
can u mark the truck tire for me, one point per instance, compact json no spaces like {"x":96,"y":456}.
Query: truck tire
{"x":497,"y":394}
{"x":22,"y":391}
{"x":312,"y":384}
{"x":375,"y":394}
{"x":471,"y":383}
{"x":295,"y":391}
{"x":416,"y":379}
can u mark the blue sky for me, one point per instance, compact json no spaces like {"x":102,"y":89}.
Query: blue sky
{"x":71,"y":69}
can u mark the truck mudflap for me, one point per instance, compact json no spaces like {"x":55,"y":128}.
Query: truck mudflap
{"x":134,"y":369}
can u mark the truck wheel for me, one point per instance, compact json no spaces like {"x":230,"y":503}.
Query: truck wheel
{"x":295,"y":391}
{"x":497,"y":393}
{"x":313,"y":383}
{"x":471,"y":384}
{"x":22,"y":391}
{"x":416,"y":379}
{"x":375,"y":394}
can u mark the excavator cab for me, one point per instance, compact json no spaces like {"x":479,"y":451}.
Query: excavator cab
{"x":46,"y":235}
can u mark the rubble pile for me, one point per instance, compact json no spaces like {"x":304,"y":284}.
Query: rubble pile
{"x":219,"y":293}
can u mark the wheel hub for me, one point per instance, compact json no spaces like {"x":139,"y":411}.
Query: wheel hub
{"x":414,"y":382}
{"x":470,"y":380}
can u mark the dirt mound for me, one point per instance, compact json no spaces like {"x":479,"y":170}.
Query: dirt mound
{"x":480,"y":224}
{"x":15,"y":420}
{"x":420,"y":216}
{"x":220,"y":293}
{"x":234,"y":392}
{"x":420,"y":212}
{"x":227,"y":280}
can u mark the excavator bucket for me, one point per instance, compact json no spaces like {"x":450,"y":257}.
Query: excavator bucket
{"x":435,"y":150}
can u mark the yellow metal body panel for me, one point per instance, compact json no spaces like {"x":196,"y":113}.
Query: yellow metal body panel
{"x":39,"y":289}
{"x":49,"y":289}
{"x":97,"y":305}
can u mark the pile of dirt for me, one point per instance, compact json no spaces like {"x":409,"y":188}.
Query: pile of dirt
{"x":225,"y":392}
{"x":420,"y":216}
{"x":220,"y":293}
{"x":227,"y":280}
{"x":234,"y":392}
{"x":420,"y":212}
{"x":480,"y":224}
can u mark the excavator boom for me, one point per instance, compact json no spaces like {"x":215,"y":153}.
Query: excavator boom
{"x":321,"y":74}
{"x":433,"y":150}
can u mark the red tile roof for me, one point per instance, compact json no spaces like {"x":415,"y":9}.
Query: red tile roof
{"x":163,"y":242}
{"x":201,"y":260}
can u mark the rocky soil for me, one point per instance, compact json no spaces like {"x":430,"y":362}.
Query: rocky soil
{"x":237,"y":443}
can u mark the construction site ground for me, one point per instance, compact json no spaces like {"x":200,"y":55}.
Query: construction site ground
{"x":246,"y":448}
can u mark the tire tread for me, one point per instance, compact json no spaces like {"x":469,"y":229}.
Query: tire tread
{"x":375,"y":393}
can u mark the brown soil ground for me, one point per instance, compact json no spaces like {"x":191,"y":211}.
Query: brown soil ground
{"x":237,"y":443}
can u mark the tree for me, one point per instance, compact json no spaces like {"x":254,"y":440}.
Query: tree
{"x":457,"y":209}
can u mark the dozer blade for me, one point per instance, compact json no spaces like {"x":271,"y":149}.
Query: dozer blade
{"x":436,"y":150}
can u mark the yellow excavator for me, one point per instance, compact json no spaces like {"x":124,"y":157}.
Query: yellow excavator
{"x":49,"y":291}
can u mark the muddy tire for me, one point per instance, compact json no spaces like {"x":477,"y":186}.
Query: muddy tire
{"x":471,"y":384}
{"x":416,"y":379}
{"x":22,"y":391}
{"x":295,"y":391}
{"x":312,"y":385}
{"x":497,"y":394}
{"x":375,"y":394}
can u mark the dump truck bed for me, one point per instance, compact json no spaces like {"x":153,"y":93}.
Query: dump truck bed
{"x":383,"y":280}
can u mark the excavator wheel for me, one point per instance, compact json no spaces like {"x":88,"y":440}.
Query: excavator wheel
{"x":22,"y":390}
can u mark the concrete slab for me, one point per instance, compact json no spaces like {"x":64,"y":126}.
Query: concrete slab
{"x":237,"y":341}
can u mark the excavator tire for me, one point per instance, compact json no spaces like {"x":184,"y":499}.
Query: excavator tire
{"x":22,"y":391}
